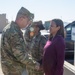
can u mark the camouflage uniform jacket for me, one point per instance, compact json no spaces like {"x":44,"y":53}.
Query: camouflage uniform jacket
{"x":35,"y":45}
{"x":13,"y":51}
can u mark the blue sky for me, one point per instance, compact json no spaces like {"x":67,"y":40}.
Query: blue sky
{"x":43,"y":9}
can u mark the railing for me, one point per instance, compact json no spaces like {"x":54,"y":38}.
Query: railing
{"x":69,"y":69}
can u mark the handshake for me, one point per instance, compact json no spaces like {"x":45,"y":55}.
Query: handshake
{"x":31,"y":63}
{"x":38,"y":66}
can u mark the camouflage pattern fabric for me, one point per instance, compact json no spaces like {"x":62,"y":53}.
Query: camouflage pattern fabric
{"x":14,"y":55}
{"x":35,"y":46}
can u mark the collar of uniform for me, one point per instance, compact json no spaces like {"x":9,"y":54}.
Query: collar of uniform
{"x":17,"y":27}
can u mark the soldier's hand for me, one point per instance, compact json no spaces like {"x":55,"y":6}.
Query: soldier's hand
{"x":37,"y":66}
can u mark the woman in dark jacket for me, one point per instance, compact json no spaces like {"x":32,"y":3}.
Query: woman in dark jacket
{"x":53,"y":58}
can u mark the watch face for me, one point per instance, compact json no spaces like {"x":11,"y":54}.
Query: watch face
{"x":31,"y":29}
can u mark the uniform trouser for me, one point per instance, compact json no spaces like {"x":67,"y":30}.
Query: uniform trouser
{"x":32,"y":71}
{"x":13,"y":71}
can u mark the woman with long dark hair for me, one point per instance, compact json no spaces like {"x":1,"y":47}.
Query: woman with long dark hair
{"x":53,"y":58}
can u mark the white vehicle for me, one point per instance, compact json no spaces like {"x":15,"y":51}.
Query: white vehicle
{"x":45,"y":33}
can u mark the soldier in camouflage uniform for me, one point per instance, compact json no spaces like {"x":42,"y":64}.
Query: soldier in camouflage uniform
{"x":35,"y":43}
{"x":14,"y":55}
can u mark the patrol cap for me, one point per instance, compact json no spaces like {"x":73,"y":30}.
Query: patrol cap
{"x":39,"y":24}
{"x":24,"y":12}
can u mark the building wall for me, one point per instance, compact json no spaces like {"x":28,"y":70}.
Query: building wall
{"x":3,"y":21}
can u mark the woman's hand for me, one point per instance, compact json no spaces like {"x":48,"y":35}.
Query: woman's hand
{"x":37,"y":66}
